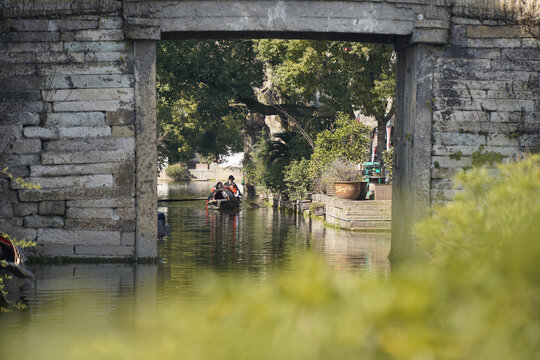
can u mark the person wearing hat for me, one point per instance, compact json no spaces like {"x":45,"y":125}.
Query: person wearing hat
{"x":231,"y":185}
{"x":230,"y":181}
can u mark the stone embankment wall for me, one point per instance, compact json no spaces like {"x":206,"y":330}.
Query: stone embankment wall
{"x":357,"y":215}
{"x":214,"y":172}
{"x":67,"y":123}
{"x":486,"y":102}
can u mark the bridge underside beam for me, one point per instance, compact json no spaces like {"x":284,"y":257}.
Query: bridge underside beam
{"x":377,"y":21}
{"x":367,"y":38}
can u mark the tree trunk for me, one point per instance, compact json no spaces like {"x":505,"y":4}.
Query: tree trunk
{"x":381,"y":137}
{"x":381,"y":132}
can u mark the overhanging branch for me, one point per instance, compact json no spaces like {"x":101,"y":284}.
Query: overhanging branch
{"x":290,"y":109}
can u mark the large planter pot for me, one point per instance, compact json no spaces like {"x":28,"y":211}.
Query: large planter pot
{"x":350,"y":190}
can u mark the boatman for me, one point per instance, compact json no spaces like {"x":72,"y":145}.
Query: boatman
{"x":230,"y":181}
{"x":231,"y":185}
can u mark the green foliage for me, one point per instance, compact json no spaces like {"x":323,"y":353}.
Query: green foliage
{"x":197,"y":82}
{"x":493,"y":211}
{"x":477,"y":299}
{"x":336,"y":75}
{"x":178,"y":172}
{"x":260,"y":170}
{"x":344,"y":170}
{"x":298,"y":179}
{"x":267,"y":166}
{"x":200,"y":80}
{"x":456,"y":156}
{"x":348,"y":140}
{"x":388,"y":163}
{"x":23,"y":184}
{"x":5,"y":306}
{"x":337,"y":170}
{"x":23,"y":243}
{"x":314,"y":206}
{"x":273,"y":164}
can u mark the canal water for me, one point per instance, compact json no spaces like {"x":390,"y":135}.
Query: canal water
{"x":254,"y":242}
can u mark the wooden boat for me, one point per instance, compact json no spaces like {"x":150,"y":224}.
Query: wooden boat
{"x":222,"y":199}
{"x":223,"y":204}
{"x":16,"y":277}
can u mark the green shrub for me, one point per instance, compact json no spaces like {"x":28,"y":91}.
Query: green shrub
{"x":315,"y":205}
{"x":492,"y":218}
{"x":178,"y":172}
{"x":282,"y":165}
{"x":298,"y":179}
{"x":337,"y":170}
{"x":478,"y":299}
{"x":348,"y":140}
{"x":267,"y":166}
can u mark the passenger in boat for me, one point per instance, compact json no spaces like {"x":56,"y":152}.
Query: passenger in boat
{"x":220,"y":192}
{"x":236,"y":191}
{"x":218,"y":185}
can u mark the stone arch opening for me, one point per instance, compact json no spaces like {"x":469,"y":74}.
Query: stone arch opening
{"x":412,"y":27}
{"x":411,"y":180}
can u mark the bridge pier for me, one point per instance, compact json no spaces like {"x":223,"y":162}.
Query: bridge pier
{"x":146,"y":149}
{"x":412,"y":145}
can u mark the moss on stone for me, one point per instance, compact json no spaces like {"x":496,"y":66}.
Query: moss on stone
{"x":490,"y":158}
{"x":456,"y":156}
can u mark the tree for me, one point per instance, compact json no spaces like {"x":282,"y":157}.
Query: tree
{"x":198,"y":80}
{"x":202,"y":83}
{"x":267,"y":165}
{"x":334,"y":76}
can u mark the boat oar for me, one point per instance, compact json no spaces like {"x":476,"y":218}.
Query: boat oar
{"x":251,"y":203}
{"x":173,"y":200}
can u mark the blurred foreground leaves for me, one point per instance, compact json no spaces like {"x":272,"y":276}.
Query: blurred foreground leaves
{"x":478,"y":297}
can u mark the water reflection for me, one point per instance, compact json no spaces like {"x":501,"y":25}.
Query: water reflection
{"x":252,"y":242}
{"x":256,"y":241}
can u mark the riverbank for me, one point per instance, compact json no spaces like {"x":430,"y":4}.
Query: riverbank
{"x":355,"y":215}
{"x":214,"y":172}
{"x":364,"y":215}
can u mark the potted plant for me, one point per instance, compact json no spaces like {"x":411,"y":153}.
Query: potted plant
{"x":347,"y":179}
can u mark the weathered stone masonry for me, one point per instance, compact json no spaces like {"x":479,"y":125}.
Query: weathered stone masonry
{"x":77,"y":105}
{"x":480,"y":93}
{"x":67,"y":123}
{"x":486,"y":98}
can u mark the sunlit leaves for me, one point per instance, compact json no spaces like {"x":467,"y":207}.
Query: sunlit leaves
{"x":197,"y":81}
{"x":338,"y":75}
{"x":493,"y":213}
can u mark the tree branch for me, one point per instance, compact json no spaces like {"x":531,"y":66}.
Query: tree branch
{"x":291,"y":109}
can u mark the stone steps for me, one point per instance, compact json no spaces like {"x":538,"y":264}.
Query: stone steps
{"x":373,"y":212}
{"x":357,"y":214}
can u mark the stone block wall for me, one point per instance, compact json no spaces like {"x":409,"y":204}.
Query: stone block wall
{"x":67,"y":123}
{"x":486,"y":104}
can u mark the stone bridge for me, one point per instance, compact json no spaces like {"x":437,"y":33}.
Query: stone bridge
{"x":78,"y":104}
